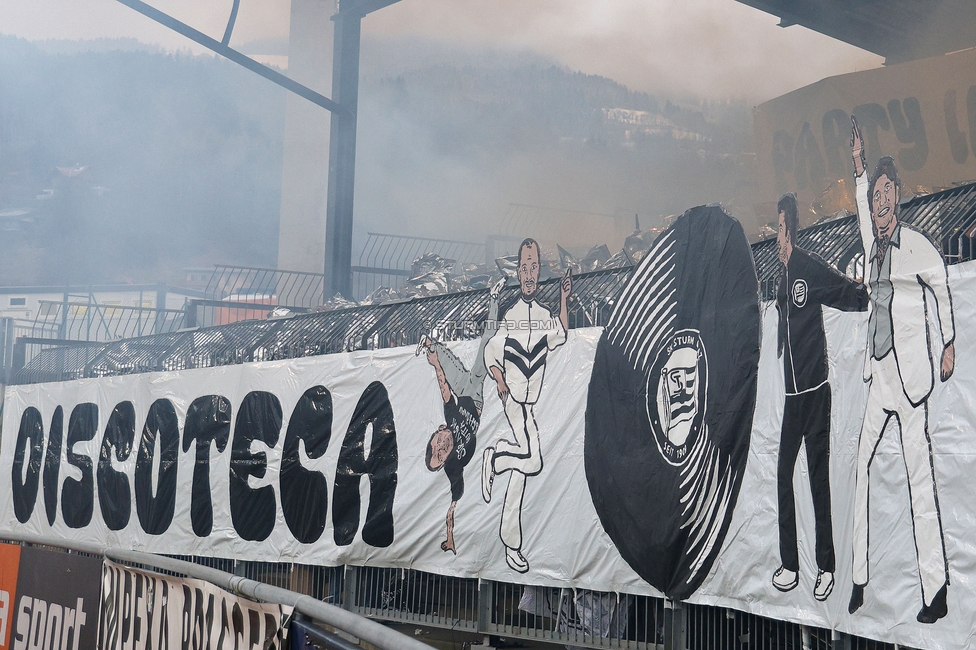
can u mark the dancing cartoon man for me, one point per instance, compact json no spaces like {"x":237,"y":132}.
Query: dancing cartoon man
{"x":516,"y":358}
{"x":902,"y":267}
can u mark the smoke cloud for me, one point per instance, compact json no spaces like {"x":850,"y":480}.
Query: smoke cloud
{"x":707,"y":48}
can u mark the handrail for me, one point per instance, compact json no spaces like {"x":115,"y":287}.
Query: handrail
{"x":363,"y":628}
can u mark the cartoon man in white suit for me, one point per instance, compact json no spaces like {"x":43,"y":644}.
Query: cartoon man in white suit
{"x":516,"y":358}
{"x":901,"y":266}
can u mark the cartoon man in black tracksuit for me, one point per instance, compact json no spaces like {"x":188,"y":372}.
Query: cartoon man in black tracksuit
{"x":807,"y":284}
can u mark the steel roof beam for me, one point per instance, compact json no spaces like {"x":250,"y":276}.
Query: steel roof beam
{"x":227,"y":52}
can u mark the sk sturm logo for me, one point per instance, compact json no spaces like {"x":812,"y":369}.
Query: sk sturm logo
{"x":799,"y":292}
{"x":679,"y":380}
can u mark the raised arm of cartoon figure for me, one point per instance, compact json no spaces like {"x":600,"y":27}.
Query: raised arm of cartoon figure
{"x":864,"y":222}
{"x":857,"y":149}
{"x":565,"y":290}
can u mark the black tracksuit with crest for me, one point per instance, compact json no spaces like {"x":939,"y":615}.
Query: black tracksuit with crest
{"x":807,"y":285}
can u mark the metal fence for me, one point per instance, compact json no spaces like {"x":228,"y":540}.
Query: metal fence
{"x":386,"y":260}
{"x":88,"y":320}
{"x":574,"y":617}
{"x":482,"y":610}
{"x":447,"y":317}
{"x":948,"y":218}
{"x":8,"y":335}
{"x":247,"y":580}
{"x":250,"y":284}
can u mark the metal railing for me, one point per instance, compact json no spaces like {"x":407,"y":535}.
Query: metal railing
{"x":362,"y":601}
{"x":9,"y":331}
{"x":251,"y":284}
{"x":386,"y":260}
{"x":253,"y":294}
{"x":449,"y":317}
{"x":948,"y":218}
{"x":575,"y":617}
{"x":90,"y":320}
{"x":345,"y":620}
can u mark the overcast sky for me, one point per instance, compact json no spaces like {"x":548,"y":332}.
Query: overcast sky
{"x":711,"y":48}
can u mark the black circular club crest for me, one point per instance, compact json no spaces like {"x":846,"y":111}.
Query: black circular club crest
{"x":799,"y":292}
{"x":676,"y":389}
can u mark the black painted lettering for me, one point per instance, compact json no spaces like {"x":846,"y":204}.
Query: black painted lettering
{"x":808,"y":164}
{"x":910,"y":129}
{"x":164,"y":618}
{"x":870,"y":118}
{"x":186,"y":641}
{"x":138,"y":607}
{"x":837,"y":142}
{"x":957,"y":139}
{"x":207,"y":423}
{"x":238,"y":617}
{"x":253,"y":510}
{"x":971,"y":110}
{"x":127,"y":608}
{"x":373,"y":410}
{"x":52,"y":465}
{"x":782,"y":156}
{"x":26,"y":472}
{"x":270,"y":632}
{"x":78,"y":496}
{"x":114,"y":494}
{"x":155,"y":510}
{"x":254,"y":638}
{"x":304,"y":492}
{"x":202,"y":618}
{"x":224,"y":623}
{"x":152,"y":585}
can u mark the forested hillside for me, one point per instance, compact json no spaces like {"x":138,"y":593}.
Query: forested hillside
{"x":130,"y":164}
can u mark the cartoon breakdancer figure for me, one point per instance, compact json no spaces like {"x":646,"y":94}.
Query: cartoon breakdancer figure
{"x":516,"y":357}
{"x":453,"y":443}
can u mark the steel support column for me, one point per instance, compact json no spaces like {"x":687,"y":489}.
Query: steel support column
{"x":343,"y":105}
{"x":342,"y":155}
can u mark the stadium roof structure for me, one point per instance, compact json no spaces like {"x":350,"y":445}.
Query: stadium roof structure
{"x":899,"y":30}
{"x":948,"y":218}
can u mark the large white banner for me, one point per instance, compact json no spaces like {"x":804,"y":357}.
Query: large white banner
{"x":248,"y":505}
{"x":326,"y":460}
